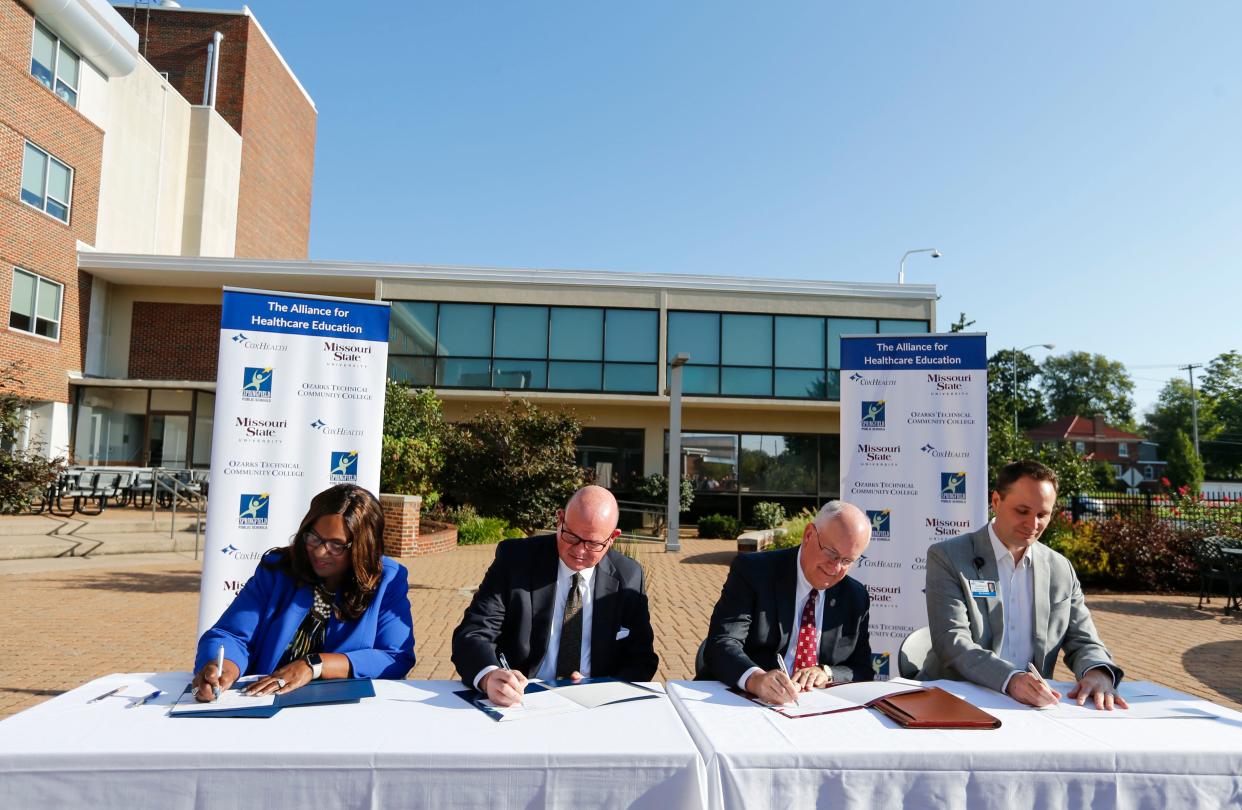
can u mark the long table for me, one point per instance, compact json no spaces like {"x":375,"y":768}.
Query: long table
{"x":415,"y":744}
{"x":861,"y":759}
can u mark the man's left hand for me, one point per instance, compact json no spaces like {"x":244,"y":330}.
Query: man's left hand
{"x":811,"y":678}
{"x":286,"y":679}
{"x":1097,"y":685}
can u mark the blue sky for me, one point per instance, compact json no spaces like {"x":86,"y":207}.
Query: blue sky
{"x":1077,"y":163}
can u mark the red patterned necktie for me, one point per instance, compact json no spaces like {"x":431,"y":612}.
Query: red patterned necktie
{"x":808,"y":636}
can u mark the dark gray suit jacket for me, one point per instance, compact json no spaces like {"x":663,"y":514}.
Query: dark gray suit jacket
{"x":967,"y":632}
{"x":754,"y":620}
{"x":511,"y":613}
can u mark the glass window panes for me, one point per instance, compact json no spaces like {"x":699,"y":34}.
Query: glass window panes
{"x":111,"y":426}
{"x":830,"y":466}
{"x":464,"y":373}
{"x":466,"y":331}
{"x":168,"y":399}
{"x":565,"y":376}
{"x":577,"y":333}
{"x":800,"y":384}
{"x":746,"y":382}
{"x":47,"y":309}
{"x":845,"y":326}
{"x":419,"y":372}
{"x":633,"y":335}
{"x":746,"y":340}
{"x":611,"y":457}
{"x":521,"y":332}
{"x":35,"y":304}
{"x":47,"y":183}
{"x":43,"y":56}
{"x":203,"y":419}
{"x":696,"y":334}
{"x":709,"y":460}
{"x":639,"y":378}
{"x":799,"y":342}
{"x":22,"y":304}
{"x":699,"y":379}
{"x":519,"y":374}
{"x":891,"y":326}
{"x":67,"y":68}
{"x":774,"y":463}
{"x":412,"y":328}
{"x":34,"y":176}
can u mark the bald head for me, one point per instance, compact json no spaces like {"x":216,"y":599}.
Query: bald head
{"x":852,"y":519}
{"x":832,"y":542}
{"x":591,"y":515}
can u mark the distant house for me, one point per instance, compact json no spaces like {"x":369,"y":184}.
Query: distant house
{"x":1132,"y":457}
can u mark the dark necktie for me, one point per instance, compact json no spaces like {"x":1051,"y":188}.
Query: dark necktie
{"x":808,"y":636}
{"x":569,"y":655}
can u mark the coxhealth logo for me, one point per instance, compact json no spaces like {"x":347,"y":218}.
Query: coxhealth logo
{"x":870,"y":381}
{"x":873,"y":415}
{"x":936,"y":452}
{"x":252,"y":514}
{"x":879,"y":665}
{"x":334,"y":430}
{"x":236,"y":553}
{"x":240,"y":337}
{"x":952,"y":487}
{"x":261,"y":345}
{"x":867,"y":562}
{"x":344,"y":467}
{"x":257,"y":384}
{"x":880,"y":520}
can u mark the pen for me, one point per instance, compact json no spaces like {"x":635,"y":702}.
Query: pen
{"x":145,"y":698}
{"x":107,"y":694}
{"x":504,"y":664}
{"x":1031,"y":669}
{"x":780,"y":664}
{"x":219,"y":672}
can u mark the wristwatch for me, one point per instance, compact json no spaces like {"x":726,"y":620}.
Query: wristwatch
{"x":315,"y":662}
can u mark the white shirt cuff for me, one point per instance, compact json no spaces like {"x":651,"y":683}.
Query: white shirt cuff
{"x":1005,"y":686}
{"x":741,"y":684}
{"x":479,"y":677}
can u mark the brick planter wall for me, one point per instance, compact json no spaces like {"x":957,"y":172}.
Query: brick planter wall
{"x":402,"y":537}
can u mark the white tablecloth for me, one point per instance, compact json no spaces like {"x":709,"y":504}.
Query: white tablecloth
{"x":861,"y":759}
{"x":413,"y":745}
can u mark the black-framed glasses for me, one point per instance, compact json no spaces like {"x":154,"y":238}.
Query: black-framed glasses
{"x":834,"y":558}
{"x":573,"y":539}
{"x":334,"y":547}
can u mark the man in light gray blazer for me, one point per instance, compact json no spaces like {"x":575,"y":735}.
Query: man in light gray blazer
{"x":998,"y":600}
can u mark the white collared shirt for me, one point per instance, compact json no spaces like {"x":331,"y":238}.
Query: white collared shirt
{"x":1016,"y":590}
{"x":801,"y":594}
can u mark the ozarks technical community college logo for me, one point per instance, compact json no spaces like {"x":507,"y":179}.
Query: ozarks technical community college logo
{"x":343,"y":467}
{"x":257,"y":384}
{"x":881,"y":520}
{"x":252,"y":514}
{"x":872,"y":415}
{"x":952,"y":487}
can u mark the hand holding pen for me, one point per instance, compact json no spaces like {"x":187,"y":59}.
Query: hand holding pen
{"x":774,"y":686}
{"x":504,"y":686}
{"x":213,"y":677}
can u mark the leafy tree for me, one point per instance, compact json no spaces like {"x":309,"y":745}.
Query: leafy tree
{"x":1222,"y":390}
{"x":1002,"y":395}
{"x":516,"y":462}
{"x":413,"y":443}
{"x":1173,"y":412}
{"x":1075,"y":474}
{"x":23,"y":475}
{"x":962,"y":324}
{"x":1184,"y":468}
{"x":1082,"y":384}
{"x":1004,"y":446}
{"x":654,"y":489}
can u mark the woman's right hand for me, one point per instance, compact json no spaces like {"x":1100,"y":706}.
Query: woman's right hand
{"x":209,"y":677}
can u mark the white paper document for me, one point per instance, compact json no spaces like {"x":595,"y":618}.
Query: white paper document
{"x":843,"y":696}
{"x":1141,"y":708}
{"x":232,"y":698}
{"x":534,"y":704}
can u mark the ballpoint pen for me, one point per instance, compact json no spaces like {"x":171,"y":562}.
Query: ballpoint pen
{"x":780,"y":664}
{"x":504,"y":664}
{"x":107,"y":694}
{"x":1040,"y":679}
{"x":219,"y":672}
{"x":145,"y":698}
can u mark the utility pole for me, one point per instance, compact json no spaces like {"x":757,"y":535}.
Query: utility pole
{"x":1194,"y":403}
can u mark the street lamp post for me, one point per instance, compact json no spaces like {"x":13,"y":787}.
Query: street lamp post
{"x":1015,"y":379}
{"x":901,"y":272}
{"x":673,"y":518}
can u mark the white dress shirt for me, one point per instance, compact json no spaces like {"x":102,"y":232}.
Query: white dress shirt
{"x":801,"y":594}
{"x":1016,"y":589}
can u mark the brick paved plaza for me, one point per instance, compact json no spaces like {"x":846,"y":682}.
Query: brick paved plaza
{"x":68,"y":621}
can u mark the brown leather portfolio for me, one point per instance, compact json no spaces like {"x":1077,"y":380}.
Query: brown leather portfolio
{"x":934,"y":708}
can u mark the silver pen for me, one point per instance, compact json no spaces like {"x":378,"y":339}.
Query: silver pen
{"x":145,"y":698}
{"x":107,"y":694}
{"x":504,"y":664}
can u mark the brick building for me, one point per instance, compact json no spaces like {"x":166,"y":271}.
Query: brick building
{"x":1131,"y":457}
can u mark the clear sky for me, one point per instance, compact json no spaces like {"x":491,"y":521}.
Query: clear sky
{"x":1077,"y":163}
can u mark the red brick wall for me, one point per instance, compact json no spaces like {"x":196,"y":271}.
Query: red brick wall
{"x":29,"y":238}
{"x":174,"y":341}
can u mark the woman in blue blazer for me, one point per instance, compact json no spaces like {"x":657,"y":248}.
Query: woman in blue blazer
{"x":328,"y":606}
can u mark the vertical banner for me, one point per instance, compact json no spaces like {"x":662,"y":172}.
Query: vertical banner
{"x":914,"y":457}
{"x":299,"y":407}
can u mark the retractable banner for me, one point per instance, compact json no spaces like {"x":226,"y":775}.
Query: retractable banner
{"x":914,"y":457}
{"x":299,"y":407}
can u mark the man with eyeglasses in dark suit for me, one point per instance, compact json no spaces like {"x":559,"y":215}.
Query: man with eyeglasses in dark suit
{"x":791,"y":620}
{"x":561,"y":605}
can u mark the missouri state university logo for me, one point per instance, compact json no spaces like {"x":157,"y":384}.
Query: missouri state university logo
{"x":872,"y":415}
{"x":881,"y":520}
{"x":343,"y":467}
{"x":252,"y":513}
{"x":257,"y":384}
{"x":952,"y":487}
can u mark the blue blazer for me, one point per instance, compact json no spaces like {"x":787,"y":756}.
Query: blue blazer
{"x":257,"y":627}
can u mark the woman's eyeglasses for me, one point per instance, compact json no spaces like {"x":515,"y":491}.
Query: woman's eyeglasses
{"x":334,"y":547}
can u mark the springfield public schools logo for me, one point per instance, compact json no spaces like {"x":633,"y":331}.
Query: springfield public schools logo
{"x":952,"y":487}
{"x":880,"y":520}
{"x":252,"y":514}
{"x":344,"y":467}
{"x":879,"y":665}
{"x":873,"y":415}
{"x":257,"y":384}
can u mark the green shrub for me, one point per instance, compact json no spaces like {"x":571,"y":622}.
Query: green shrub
{"x":719,"y":527}
{"x":23,"y":476}
{"x":481,"y":531}
{"x":769,"y":514}
{"x":514,"y":532}
{"x":412,"y":456}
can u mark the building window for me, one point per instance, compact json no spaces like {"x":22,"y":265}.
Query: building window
{"x":55,"y":66}
{"x":1123,"y":450}
{"x":518,"y":346}
{"x":47,"y":184}
{"x":1080,"y":447}
{"x":35,"y":305}
{"x":1148,"y":472}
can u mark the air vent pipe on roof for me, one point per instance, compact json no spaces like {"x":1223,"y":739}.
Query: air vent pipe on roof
{"x":213,"y":70}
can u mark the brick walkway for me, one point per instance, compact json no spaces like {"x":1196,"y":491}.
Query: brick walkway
{"x":64,"y":627}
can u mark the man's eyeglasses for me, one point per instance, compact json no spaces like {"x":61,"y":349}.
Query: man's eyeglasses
{"x":831,"y":553}
{"x":334,"y":547}
{"x":573,"y":539}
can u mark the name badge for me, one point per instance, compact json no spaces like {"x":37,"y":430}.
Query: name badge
{"x":982,"y":587}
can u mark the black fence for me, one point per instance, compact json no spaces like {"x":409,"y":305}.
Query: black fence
{"x":1213,"y":514}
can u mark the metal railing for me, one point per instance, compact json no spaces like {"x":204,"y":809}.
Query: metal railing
{"x":1209,"y":512}
{"x":179,"y":487}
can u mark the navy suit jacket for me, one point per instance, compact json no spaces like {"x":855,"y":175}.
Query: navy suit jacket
{"x":257,"y":627}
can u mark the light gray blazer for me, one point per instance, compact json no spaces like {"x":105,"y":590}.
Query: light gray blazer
{"x":966,"y":631}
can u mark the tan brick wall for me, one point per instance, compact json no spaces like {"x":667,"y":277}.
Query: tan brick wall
{"x":174,"y":341}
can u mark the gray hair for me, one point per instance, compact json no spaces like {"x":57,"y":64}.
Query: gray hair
{"x":830,"y":511}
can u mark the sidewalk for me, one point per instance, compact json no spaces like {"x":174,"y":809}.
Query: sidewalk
{"x":70,"y":620}
{"x":119,"y":530}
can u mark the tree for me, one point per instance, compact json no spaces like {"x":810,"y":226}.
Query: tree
{"x":516,"y":462}
{"x":1002,"y":395}
{"x":1075,"y":473}
{"x":962,"y":324}
{"x":23,"y":475}
{"x":1004,"y":447}
{"x":413,"y":443}
{"x":1184,"y":468}
{"x":1222,"y":391}
{"x":1082,"y":384}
